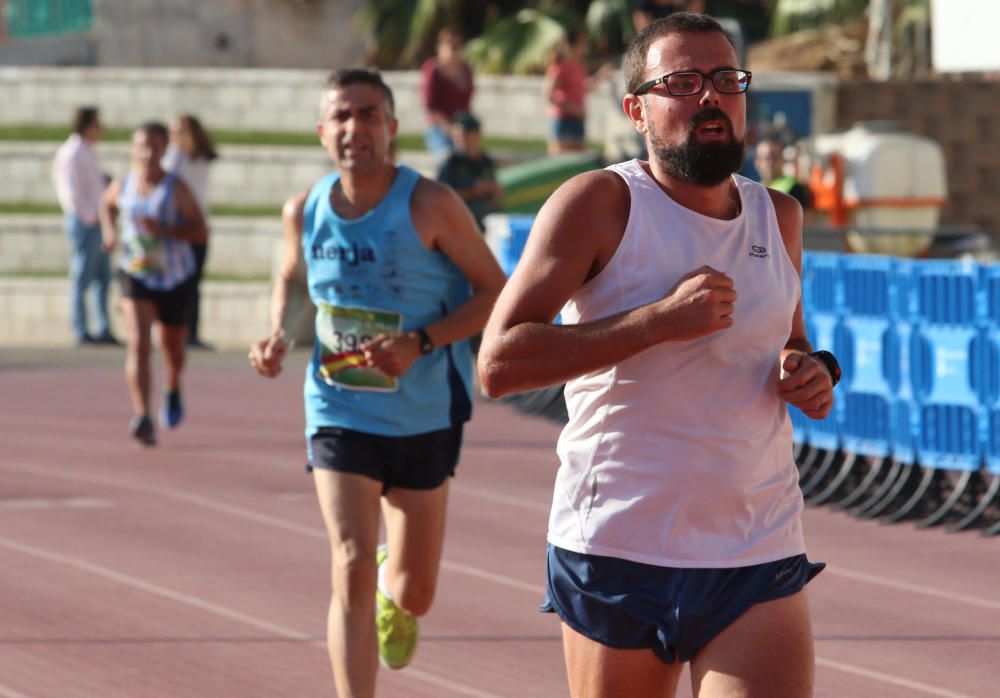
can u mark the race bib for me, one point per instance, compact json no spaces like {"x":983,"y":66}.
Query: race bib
{"x":144,"y":256}
{"x":341,"y":332}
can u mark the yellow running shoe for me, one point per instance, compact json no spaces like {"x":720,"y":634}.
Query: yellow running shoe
{"x":397,"y":630}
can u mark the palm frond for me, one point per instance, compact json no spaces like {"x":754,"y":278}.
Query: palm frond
{"x":794,"y":15}
{"x":520,"y":44}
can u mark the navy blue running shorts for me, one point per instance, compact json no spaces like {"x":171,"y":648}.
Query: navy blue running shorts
{"x":417,"y":462}
{"x":673,"y":611}
{"x":173,"y":307}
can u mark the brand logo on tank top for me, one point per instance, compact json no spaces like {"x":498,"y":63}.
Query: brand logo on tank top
{"x":758,"y":251}
{"x":352,"y":255}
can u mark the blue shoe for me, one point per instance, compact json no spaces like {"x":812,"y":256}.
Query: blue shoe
{"x":172,"y":411}
{"x":141,"y":429}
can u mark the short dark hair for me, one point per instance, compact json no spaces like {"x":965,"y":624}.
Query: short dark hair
{"x":365,"y":76}
{"x":155,"y":128}
{"x":84,"y":118}
{"x":467,"y":121}
{"x":634,"y":64}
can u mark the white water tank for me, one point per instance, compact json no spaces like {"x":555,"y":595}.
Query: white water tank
{"x":894,"y":182}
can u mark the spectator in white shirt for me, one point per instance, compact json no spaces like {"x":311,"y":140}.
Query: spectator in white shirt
{"x":189,"y":156}
{"x":79,"y":184}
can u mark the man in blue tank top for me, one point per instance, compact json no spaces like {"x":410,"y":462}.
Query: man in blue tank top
{"x":675,"y":532}
{"x":400,"y":277}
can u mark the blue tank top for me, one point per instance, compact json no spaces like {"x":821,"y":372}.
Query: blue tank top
{"x":370,"y":275}
{"x":158,"y":263}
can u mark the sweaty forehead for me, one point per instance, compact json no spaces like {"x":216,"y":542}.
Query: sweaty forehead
{"x":699,"y":51}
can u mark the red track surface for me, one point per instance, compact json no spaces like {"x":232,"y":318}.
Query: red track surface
{"x":199,"y":568}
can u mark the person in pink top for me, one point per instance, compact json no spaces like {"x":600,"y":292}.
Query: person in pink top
{"x":566,"y":86}
{"x":446,"y":86}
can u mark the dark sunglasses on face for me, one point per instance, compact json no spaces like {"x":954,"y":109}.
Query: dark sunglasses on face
{"x":689,"y":82}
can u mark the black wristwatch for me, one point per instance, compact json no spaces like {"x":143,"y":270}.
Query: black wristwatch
{"x":830,"y":361}
{"x":426,"y":343}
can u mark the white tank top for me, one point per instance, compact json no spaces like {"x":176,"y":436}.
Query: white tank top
{"x":681,"y":455}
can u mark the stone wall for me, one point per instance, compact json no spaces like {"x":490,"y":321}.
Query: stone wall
{"x":961,"y":115}
{"x":256,"y":99}
{"x":239,"y":248}
{"x":35,"y":312}
{"x":246,"y":33}
{"x":286,"y":100}
{"x":243,"y":175}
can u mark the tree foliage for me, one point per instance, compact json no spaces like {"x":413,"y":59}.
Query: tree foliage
{"x":794,"y":15}
{"x":505,"y":36}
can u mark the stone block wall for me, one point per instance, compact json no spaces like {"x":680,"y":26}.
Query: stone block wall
{"x":287,"y":100}
{"x":244,"y":175}
{"x":274,"y":33}
{"x":258,"y":99}
{"x":961,"y":115}
{"x":239,"y":248}
{"x":35,"y":312}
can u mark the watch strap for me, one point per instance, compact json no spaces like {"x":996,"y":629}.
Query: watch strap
{"x":426,"y":343}
{"x":831,"y":363}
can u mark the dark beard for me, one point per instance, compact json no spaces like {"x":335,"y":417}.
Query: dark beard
{"x":701,"y":164}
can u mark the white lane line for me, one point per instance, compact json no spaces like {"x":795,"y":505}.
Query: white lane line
{"x":318,"y":532}
{"x":447,"y":683}
{"x":151,"y":588}
{"x":483,"y":493}
{"x":8,"y":692}
{"x":890,"y":679}
{"x":502,"y":579}
{"x":315,"y":532}
{"x":468,"y":570}
{"x":912,"y":588}
{"x":210,"y":607}
{"x":36,"y":503}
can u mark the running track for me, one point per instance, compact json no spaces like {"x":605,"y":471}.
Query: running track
{"x":199,"y":568}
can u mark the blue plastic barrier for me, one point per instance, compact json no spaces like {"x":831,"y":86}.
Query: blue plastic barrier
{"x":861,"y":346}
{"x":822,"y":304}
{"x":988,"y":377}
{"x":952,"y":427}
{"x":904,"y":410}
{"x":802,"y":425}
{"x":518,"y":225}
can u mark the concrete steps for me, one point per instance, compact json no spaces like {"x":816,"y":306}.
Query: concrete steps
{"x":34,"y":288}
{"x":34,"y":312}
{"x":239,"y":248}
{"x":243,"y":176}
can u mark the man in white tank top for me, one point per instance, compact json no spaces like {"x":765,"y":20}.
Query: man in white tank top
{"x":675,"y":532}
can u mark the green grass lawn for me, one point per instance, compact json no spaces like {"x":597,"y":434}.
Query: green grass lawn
{"x":36,"y":209}
{"x":405,"y":141}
